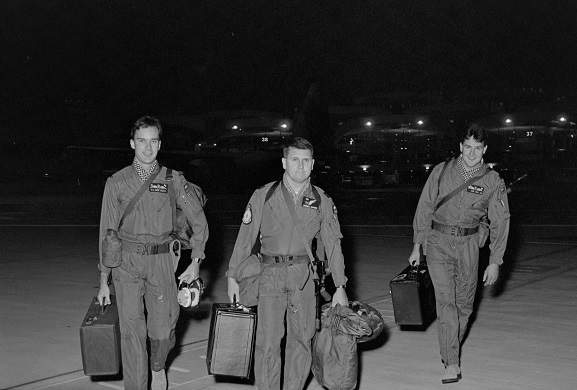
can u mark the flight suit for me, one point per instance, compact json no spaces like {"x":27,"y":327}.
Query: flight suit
{"x":286,"y":292}
{"x":147,"y":276}
{"x":453,"y":260}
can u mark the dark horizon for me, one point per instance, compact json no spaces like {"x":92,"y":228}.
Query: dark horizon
{"x":71,"y":61}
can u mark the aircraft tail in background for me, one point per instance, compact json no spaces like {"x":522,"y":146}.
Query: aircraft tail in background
{"x":312,"y":120}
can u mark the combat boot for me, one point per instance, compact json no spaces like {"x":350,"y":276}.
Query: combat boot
{"x":452,"y":374}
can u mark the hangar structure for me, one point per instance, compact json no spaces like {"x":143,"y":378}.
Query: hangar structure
{"x":378,"y":150}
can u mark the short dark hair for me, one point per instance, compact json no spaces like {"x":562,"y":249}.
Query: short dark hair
{"x":297,"y":143}
{"x":475,"y":131}
{"x":146,"y":121}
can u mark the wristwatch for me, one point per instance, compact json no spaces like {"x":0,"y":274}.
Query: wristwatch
{"x":197,"y":260}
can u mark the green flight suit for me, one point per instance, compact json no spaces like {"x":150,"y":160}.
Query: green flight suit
{"x":286,"y":293}
{"x":147,"y":279}
{"x":453,"y":261}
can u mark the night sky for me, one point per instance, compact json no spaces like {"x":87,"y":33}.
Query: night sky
{"x":71,"y":63}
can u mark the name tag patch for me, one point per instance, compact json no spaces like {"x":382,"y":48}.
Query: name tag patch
{"x":158,"y":187}
{"x":311,"y":203}
{"x":475,"y":189}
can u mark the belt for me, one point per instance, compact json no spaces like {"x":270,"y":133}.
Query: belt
{"x":454,"y":230}
{"x":284,"y":260}
{"x":146,"y":249}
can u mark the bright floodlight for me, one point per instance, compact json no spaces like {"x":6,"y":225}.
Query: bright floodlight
{"x":562,"y":119}
{"x":368,"y":123}
{"x":508,"y":121}
{"x":420,"y":122}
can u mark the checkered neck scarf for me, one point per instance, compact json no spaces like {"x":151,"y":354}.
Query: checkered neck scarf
{"x":469,"y":174}
{"x":296,"y":195}
{"x":143,"y":173}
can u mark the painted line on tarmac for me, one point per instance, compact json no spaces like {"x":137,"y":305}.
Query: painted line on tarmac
{"x":562,"y":243}
{"x":53,"y":381}
{"x":111,"y":385}
{"x":179,"y":369}
{"x":192,"y":381}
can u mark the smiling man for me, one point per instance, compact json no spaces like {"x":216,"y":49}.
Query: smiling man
{"x":284,"y":217}
{"x":457,"y":196}
{"x":143,"y":271}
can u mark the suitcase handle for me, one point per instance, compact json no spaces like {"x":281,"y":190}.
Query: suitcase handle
{"x":417,"y":269}
{"x":102,"y":307}
{"x":238,"y":306}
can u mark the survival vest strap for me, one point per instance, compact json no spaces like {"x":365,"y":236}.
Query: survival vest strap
{"x":138,"y":195}
{"x":458,"y":189}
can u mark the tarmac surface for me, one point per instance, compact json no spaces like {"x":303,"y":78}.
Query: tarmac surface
{"x":522,"y":337}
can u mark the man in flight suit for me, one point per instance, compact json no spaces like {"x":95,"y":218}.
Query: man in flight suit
{"x":146,"y":273}
{"x":450,"y":238}
{"x":286,"y":286}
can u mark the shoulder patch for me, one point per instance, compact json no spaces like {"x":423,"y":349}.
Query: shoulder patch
{"x":334,"y":210}
{"x":247,"y":216}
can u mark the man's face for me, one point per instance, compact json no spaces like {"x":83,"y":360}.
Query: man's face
{"x":146,"y":145}
{"x":472,"y":151}
{"x":298,"y":164}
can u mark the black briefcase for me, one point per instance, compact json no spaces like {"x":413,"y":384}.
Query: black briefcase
{"x":231,"y":340}
{"x":413,"y":296}
{"x":100,"y":339}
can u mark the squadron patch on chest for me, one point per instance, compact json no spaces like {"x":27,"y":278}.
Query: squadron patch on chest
{"x":247,"y":216}
{"x":158,"y":187}
{"x":475,"y":189}
{"x":311,"y":203}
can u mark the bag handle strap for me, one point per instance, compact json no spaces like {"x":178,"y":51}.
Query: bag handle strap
{"x":460,"y":188}
{"x":171,"y":196}
{"x":138,"y":195}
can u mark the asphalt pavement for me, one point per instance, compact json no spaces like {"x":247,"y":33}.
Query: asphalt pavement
{"x":522,"y":337}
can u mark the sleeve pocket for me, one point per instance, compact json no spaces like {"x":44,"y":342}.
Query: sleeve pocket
{"x":501,"y":211}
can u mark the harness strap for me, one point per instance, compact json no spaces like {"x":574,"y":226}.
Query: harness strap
{"x":460,"y":188}
{"x":138,"y":195}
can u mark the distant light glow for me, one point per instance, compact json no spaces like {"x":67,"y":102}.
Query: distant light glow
{"x":235,"y":127}
{"x":562,"y":119}
{"x":368,"y":123}
{"x":508,"y":121}
{"x":420,"y":122}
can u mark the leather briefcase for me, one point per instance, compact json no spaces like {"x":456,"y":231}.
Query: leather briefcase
{"x":413,"y":296}
{"x":100,"y":339}
{"x":231,"y":340}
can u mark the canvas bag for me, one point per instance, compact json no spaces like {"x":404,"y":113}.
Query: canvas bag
{"x":251,"y":269}
{"x":181,"y":230}
{"x":335,"y":362}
